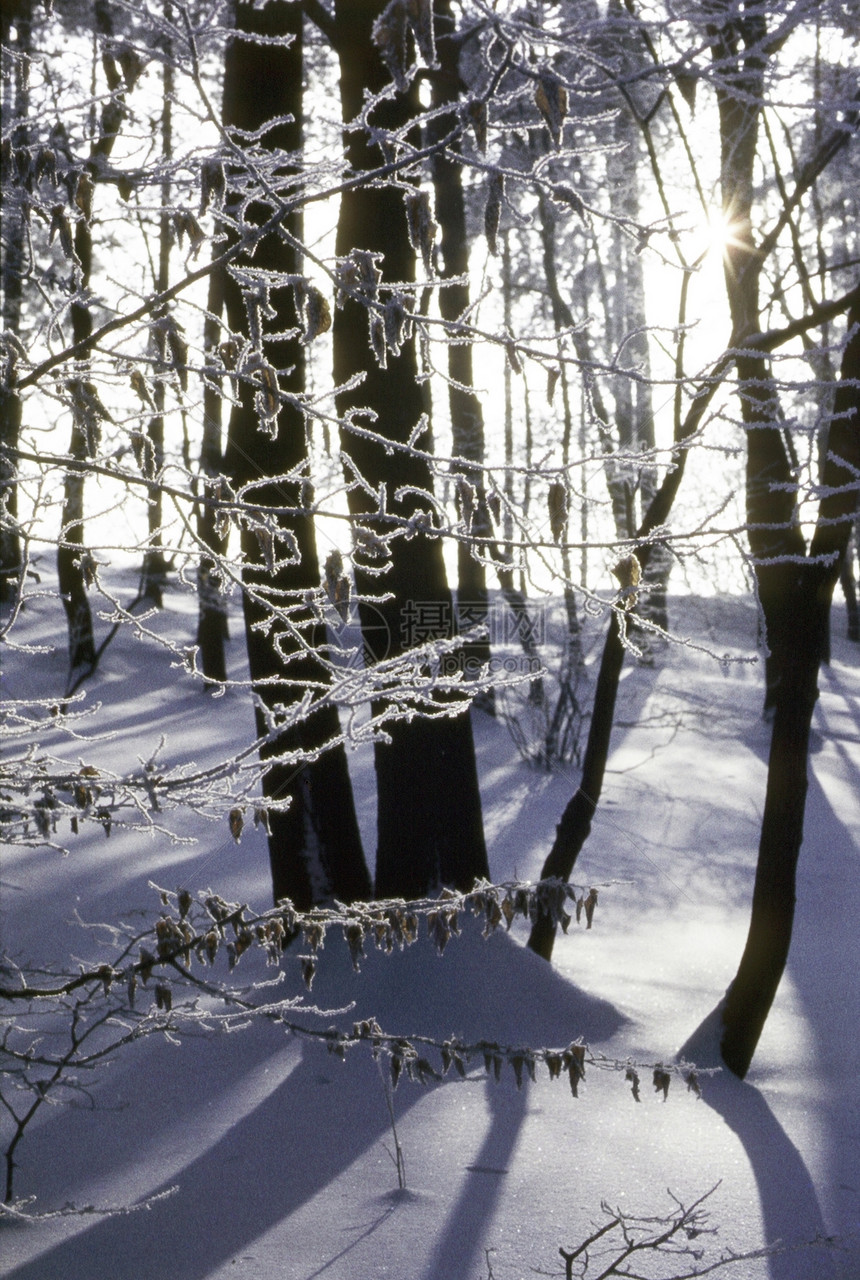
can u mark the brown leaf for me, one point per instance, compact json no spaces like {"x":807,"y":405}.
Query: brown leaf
{"x":493,"y":210}
{"x":590,"y":904}
{"x":662,"y":1080}
{"x":629,"y":574}
{"x":551,"y":102}
{"x":478,"y":118}
{"x":557,"y":501}
{"x":421,"y":21}
{"x":389,"y":36}
{"x":421,"y":226}
{"x":236,"y":822}
{"x":213,"y":183}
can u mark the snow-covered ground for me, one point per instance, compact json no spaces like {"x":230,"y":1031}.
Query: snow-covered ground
{"x":282,"y":1154}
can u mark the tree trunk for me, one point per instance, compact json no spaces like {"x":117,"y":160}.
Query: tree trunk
{"x":15,"y":107}
{"x":314,"y":844}
{"x":154,"y":570}
{"x":212,"y":631}
{"x":467,"y":417}
{"x":797,"y":632}
{"x":73,"y":560}
{"x":430,"y":827}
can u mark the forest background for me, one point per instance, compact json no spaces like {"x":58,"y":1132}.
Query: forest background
{"x":450,"y":348}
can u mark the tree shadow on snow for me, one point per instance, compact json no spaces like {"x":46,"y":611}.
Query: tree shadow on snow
{"x":789,"y":1204}
{"x":824,"y":978}
{"x":283,"y":1152}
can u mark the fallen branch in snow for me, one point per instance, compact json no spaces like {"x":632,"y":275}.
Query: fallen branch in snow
{"x":610,"y":1248}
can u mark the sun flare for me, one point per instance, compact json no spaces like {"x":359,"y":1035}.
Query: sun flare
{"x":723,"y":233}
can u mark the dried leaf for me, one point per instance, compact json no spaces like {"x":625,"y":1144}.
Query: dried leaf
{"x":466,"y":501}
{"x":313,"y":307}
{"x":575,"y":1058}
{"x":553,"y":374}
{"x":629,"y":574}
{"x":213,"y":183}
{"x":236,"y":822}
{"x":662,"y":1080}
{"x":169,"y":337}
{"x":266,"y":543}
{"x":377,"y":338}
{"x":397,"y":321}
{"x":590,"y":904}
{"x":420,"y":14}
{"x":146,"y":965}
{"x":493,"y":210}
{"x":268,"y":398}
{"x":557,"y":501}
{"x":551,"y":101}
{"x":84,"y":194}
{"x":354,"y":935}
{"x":566,"y":195}
{"x":337,"y":584}
{"x":389,"y":36}
{"x":421,"y":226}
{"x":478,"y":118}
{"x":61,"y":226}
{"x":513,"y":356}
{"x":132,"y":64}
{"x":692,"y":1081}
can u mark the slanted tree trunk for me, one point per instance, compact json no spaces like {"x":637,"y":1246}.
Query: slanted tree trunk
{"x":430,"y":828}
{"x":15,"y":106}
{"x":798,"y":632}
{"x":795,"y":589}
{"x":575,"y":825}
{"x":314,"y":844}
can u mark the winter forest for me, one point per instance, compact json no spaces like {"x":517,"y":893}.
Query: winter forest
{"x":429,"y":469}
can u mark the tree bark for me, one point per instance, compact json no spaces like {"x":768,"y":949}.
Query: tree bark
{"x":154,"y":570}
{"x":15,"y":107}
{"x":467,"y":416}
{"x":799,"y":630}
{"x":430,"y":828}
{"x":314,"y":844}
{"x":73,"y":560}
{"x":212,"y":628}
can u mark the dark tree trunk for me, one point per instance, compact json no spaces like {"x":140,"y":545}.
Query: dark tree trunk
{"x":212,"y":631}
{"x":314,"y":844}
{"x":849,"y":589}
{"x":797,"y":634}
{"x":154,"y":570}
{"x":15,"y":106}
{"x":429,"y":808}
{"x":467,"y":417}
